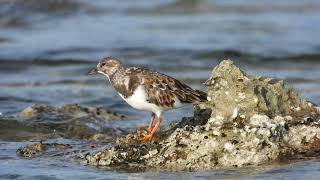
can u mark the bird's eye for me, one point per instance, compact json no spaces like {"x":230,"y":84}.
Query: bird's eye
{"x":103,"y":64}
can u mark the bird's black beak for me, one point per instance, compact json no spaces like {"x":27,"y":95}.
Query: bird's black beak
{"x":93,"y":71}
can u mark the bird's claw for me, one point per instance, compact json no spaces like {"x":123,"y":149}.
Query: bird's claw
{"x":149,"y":130}
{"x":147,"y":137}
{"x":145,"y":131}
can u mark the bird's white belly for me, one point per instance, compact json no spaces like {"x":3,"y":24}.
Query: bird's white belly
{"x":139,"y":101}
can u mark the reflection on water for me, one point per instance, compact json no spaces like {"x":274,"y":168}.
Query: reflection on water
{"x":46,"y":47}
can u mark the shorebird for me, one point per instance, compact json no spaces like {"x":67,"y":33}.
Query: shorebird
{"x":147,"y":90}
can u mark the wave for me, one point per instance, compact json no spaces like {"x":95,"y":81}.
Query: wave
{"x":48,"y":83}
{"x":152,"y":54}
{"x":22,"y":13}
{"x":42,"y":61}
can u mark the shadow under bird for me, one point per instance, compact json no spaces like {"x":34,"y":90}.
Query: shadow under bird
{"x":147,"y":90}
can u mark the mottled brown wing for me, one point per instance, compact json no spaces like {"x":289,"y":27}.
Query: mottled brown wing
{"x":162,"y":89}
{"x":158,"y":91}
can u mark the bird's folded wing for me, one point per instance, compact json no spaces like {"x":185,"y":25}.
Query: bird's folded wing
{"x":164,"y":90}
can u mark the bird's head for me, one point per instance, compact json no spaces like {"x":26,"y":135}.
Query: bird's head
{"x":107,"y":66}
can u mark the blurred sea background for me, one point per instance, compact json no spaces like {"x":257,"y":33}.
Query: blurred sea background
{"x":47,"y":46}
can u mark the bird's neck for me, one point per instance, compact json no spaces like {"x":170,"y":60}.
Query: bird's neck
{"x":118,"y":81}
{"x":117,"y":76}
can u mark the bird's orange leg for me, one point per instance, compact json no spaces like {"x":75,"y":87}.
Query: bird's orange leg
{"x":149,"y":136}
{"x":153,"y":115}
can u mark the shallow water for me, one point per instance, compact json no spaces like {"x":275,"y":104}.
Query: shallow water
{"x":46,"y":49}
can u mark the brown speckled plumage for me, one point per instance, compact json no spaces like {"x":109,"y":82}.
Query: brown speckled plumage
{"x":147,"y":90}
{"x":160,"y":88}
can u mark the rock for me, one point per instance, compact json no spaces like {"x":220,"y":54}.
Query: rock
{"x":35,"y":111}
{"x":37,"y":149}
{"x":42,"y":122}
{"x":229,"y":88}
{"x":71,"y":120}
{"x":38,"y":111}
{"x":98,"y":137}
{"x":32,"y":150}
{"x":247,"y":120}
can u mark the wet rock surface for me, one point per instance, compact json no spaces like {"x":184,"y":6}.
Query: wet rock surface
{"x":41,"y":122}
{"x":60,"y":131}
{"x":31,"y":150}
{"x":68,"y":111}
{"x":36,"y":149}
{"x":247,"y":120}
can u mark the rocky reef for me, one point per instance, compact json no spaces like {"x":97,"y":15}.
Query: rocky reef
{"x":60,"y":131}
{"x":36,"y":149}
{"x":68,"y":111}
{"x":41,"y":122}
{"x":248,"y":120}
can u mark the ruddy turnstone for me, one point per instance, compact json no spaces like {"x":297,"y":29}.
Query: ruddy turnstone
{"x":147,"y":90}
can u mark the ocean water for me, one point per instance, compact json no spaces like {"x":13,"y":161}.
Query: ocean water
{"x":46,"y":48}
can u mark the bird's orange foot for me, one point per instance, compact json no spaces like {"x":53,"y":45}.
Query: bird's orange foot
{"x":144,"y":131}
{"x":147,"y":137}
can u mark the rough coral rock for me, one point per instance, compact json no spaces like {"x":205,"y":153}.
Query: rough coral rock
{"x":234,"y":93}
{"x":248,"y":120}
